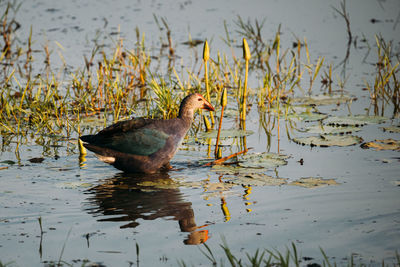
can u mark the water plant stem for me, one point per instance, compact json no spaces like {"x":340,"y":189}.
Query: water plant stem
{"x":224,"y":102}
{"x":246,"y":56}
{"x":206,"y":56}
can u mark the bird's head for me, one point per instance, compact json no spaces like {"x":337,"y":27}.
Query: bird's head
{"x":202,"y":102}
{"x":192,"y":102}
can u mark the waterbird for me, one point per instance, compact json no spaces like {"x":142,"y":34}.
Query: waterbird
{"x":141,"y":145}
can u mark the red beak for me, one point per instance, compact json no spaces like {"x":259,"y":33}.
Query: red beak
{"x":207,"y":106}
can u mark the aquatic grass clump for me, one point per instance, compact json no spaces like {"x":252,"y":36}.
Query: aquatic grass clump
{"x":119,"y":83}
{"x":270,"y":258}
{"x":386,"y":85}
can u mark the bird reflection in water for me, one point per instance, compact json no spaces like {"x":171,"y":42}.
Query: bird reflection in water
{"x":128,"y":198}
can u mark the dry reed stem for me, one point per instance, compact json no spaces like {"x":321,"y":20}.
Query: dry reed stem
{"x":222,"y":160}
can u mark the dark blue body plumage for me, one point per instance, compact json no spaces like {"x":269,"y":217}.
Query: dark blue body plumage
{"x":145,"y":145}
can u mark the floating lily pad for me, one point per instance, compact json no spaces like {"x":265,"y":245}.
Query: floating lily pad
{"x":232,"y":133}
{"x":264,"y":160}
{"x":255,"y":179}
{"x":319,"y":100}
{"x":212,"y":141}
{"x":313,"y":182}
{"x":328,"y":140}
{"x":357,"y":120}
{"x":9,"y":162}
{"x":36,"y":160}
{"x":217,"y":187}
{"x":386,"y":144}
{"x":391,"y":129}
{"x":308,"y":116}
{"x":327,"y":129}
{"x":253,"y":163}
{"x":233,"y":169}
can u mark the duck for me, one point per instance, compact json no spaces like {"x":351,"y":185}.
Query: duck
{"x":143,"y":145}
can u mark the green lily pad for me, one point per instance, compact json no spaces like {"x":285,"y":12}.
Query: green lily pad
{"x":357,"y":120}
{"x":391,"y":129}
{"x":233,"y":169}
{"x":212,"y":141}
{"x":313,"y":182}
{"x":308,"y":116}
{"x":9,"y":162}
{"x":266,"y":160}
{"x":319,"y":100}
{"x":328,"y":140}
{"x":327,"y":129}
{"x":386,"y":144}
{"x":232,"y":133}
{"x":255,"y":179}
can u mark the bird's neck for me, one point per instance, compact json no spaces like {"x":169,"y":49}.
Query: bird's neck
{"x":186,"y":114}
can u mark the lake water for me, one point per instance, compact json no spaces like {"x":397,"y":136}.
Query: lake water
{"x":95,"y":212}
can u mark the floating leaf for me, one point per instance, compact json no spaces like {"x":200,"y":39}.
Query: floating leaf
{"x":232,"y":169}
{"x":318,"y":100}
{"x":36,"y":160}
{"x":313,"y":182}
{"x":264,"y":160}
{"x":255,"y":179}
{"x":308,"y":116}
{"x":217,"y":187}
{"x":232,"y":133}
{"x":9,"y":162}
{"x":328,"y":140}
{"x":212,"y":141}
{"x":386,"y":144}
{"x":357,"y":120}
{"x":391,"y":129}
{"x":327,"y":129}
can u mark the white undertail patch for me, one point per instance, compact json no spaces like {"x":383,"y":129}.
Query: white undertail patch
{"x":109,"y":160}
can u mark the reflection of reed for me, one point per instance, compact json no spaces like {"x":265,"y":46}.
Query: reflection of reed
{"x":128,"y":199}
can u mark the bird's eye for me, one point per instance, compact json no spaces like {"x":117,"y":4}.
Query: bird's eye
{"x":199,"y":99}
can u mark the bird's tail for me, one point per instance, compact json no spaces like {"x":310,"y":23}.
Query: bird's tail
{"x":104,"y":154}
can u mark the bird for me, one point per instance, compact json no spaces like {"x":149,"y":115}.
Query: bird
{"x":142,"y":145}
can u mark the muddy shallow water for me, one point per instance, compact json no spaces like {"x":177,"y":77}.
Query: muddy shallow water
{"x":95,"y":212}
